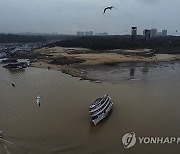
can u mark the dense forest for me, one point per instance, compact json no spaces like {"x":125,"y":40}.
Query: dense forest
{"x":168,"y":44}
{"x":32,"y":38}
{"x":12,"y":38}
{"x":51,"y":37}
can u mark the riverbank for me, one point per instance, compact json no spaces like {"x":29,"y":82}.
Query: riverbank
{"x":73,"y":60}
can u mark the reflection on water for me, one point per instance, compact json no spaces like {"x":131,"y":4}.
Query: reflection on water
{"x":145,"y":68}
{"x":17,"y":71}
{"x":132,"y":71}
{"x":62,"y":123}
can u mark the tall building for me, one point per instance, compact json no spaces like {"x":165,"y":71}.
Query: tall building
{"x":90,"y":33}
{"x":159,"y":33}
{"x":134,"y":31}
{"x":164,"y":32}
{"x":144,"y":32}
{"x":153,"y":33}
{"x":80,"y":33}
{"x":147,"y":34}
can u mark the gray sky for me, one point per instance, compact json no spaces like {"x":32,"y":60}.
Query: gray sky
{"x":70,"y":16}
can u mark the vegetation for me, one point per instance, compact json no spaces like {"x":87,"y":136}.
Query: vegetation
{"x":168,"y":44}
{"x":12,"y":38}
{"x":66,"y":60}
{"x":58,"y":37}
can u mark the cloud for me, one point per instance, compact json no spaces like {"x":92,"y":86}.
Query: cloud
{"x":150,"y":1}
{"x":69,"y":16}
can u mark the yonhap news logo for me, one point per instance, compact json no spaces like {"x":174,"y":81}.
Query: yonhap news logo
{"x":130,"y":139}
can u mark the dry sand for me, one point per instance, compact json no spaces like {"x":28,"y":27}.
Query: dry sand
{"x":95,"y":58}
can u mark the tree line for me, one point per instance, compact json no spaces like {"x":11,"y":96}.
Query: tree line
{"x":168,"y":44}
{"x":13,"y":38}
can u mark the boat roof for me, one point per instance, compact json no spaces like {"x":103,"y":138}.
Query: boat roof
{"x":97,"y":101}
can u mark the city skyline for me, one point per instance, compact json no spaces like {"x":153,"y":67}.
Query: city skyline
{"x":70,"y":16}
{"x":154,"y":32}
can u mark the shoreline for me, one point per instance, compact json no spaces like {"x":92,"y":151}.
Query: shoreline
{"x":72,"y":61}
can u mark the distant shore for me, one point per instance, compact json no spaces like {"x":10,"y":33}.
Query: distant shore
{"x":72,"y":60}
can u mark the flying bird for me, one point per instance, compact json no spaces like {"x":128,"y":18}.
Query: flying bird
{"x":109,"y":7}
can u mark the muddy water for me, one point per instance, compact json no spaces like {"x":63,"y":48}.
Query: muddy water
{"x":145,"y":103}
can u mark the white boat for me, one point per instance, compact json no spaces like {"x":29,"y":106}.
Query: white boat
{"x":100,"y":108}
{"x":38,"y":100}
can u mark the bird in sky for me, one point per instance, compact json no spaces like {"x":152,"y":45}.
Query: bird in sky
{"x":109,"y":7}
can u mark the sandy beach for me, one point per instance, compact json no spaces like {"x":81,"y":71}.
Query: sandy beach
{"x":92,"y":58}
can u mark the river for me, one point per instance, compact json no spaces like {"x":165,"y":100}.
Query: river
{"x":146,"y":101}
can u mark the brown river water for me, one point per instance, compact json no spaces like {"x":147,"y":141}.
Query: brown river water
{"x":146,"y":101}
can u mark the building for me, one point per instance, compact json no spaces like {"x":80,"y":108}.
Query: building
{"x":144,"y":32}
{"x":102,"y":34}
{"x":159,"y":33}
{"x":90,"y":33}
{"x":153,"y":33}
{"x":80,"y":33}
{"x":147,"y":34}
{"x":134,"y":31}
{"x":164,"y":32}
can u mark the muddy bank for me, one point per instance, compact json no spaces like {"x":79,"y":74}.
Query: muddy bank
{"x":73,"y":60}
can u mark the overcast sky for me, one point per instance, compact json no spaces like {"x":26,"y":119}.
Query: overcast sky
{"x":70,"y":16}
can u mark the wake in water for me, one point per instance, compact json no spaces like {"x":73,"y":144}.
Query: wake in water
{"x":5,"y":79}
{"x":9,"y":81}
{"x":7,"y":145}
